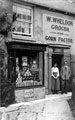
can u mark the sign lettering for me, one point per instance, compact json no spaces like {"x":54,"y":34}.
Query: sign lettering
{"x":57,"y":30}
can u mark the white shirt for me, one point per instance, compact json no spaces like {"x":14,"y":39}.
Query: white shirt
{"x":55,"y":70}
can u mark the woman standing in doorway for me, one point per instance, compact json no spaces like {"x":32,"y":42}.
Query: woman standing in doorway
{"x":55,"y":79}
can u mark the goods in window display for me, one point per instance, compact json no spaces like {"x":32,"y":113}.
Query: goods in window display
{"x":24,"y":83}
{"x":27,"y":71}
{"x":19,"y":79}
{"x":24,"y":61}
{"x":35,"y":83}
{"x":27,"y":75}
{"x":35,"y":71}
{"x":17,"y":66}
{"x":35,"y":75}
{"x":34,"y":65}
{"x":29,"y":83}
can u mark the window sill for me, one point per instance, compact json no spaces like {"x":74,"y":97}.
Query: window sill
{"x":29,"y":87}
{"x":24,"y":38}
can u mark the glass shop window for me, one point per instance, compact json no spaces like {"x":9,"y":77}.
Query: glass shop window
{"x":28,"y":68}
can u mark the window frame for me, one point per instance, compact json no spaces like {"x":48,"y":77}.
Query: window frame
{"x":14,"y":58}
{"x":31,"y":10}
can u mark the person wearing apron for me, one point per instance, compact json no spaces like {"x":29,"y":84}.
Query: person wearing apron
{"x":55,"y":79}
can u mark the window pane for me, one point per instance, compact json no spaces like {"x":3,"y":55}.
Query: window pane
{"x":23,"y":10}
{"x":29,"y":18}
{"x":27,"y":28}
{"x":14,"y":8}
{"x":18,"y":25}
{"x":15,"y":27}
{"x":24,"y":17}
{"x":19,"y":10}
{"x":19,"y":16}
{"x":23,"y":27}
{"x":28,"y":11}
{"x":30,"y":28}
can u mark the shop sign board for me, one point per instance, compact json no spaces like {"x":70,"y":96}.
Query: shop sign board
{"x":58,"y":30}
{"x":28,"y":93}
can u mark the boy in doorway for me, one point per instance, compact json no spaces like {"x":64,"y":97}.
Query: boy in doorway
{"x":55,"y":79}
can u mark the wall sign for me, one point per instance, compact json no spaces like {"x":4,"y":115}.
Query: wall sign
{"x":58,"y":30}
{"x":28,"y":93}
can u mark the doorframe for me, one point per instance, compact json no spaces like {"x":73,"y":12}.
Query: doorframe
{"x":62,"y":55}
{"x":55,"y":50}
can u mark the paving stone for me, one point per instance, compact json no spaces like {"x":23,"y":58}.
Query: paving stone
{"x":27,"y":116}
{"x":11,"y":109}
{"x":3,"y":109}
{"x":56,"y":106}
{"x":5,"y":116}
{"x":13,"y":115}
{"x":37,"y":107}
{"x":0,"y":115}
{"x":53,"y":117}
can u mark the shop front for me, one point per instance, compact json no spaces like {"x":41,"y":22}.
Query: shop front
{"x":58,"y":35}
{"x":26,"y":69}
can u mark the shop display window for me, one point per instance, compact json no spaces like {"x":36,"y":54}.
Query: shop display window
{"x":28,"y":68}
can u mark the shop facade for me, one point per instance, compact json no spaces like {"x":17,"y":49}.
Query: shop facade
{"x":26,"y":70}
{"x":40,"y":37}
{"x":58,"y":34}
{"x":25,"y":55}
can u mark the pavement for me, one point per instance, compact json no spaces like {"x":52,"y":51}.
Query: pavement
{"x":53,"y":107}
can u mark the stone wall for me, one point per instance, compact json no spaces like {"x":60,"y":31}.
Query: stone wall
{"x":24,"y":110}
{"x":24,"y":95}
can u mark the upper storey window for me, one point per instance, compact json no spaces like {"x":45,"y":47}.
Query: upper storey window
{"x":24,"y":20}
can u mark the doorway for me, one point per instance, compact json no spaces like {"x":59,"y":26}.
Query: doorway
{"x":58,"y":58}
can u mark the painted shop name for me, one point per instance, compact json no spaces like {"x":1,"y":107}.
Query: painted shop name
{"x":59,"y":24}
{"x":60,"y":28}
{"x":60,"y":39}
{"x":59,"y":21}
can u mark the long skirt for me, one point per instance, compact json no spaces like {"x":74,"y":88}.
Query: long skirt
{"x":55,"y":84}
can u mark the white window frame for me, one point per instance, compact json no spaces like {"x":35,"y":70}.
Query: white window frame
{"x":25,"y":34}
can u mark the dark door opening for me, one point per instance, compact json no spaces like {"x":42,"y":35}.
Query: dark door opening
{"x":57,"y":58}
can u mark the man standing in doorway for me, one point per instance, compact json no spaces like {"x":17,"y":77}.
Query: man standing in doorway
{"x":65,"y":76}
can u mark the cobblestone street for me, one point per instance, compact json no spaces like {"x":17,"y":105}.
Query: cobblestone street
{"x":53,"y":107}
